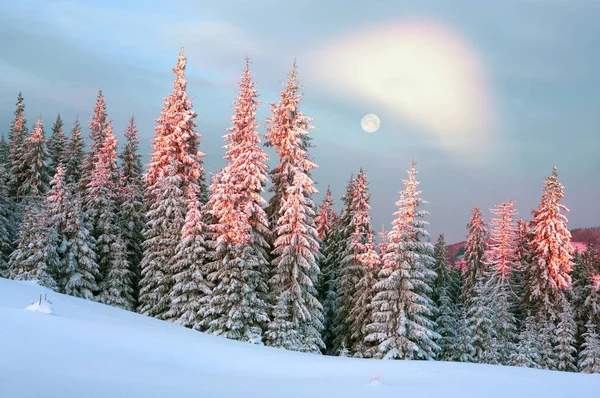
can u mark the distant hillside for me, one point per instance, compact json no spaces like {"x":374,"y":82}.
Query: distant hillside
{"x":580,"y":238}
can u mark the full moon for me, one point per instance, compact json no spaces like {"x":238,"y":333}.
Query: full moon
{"x":370,"y":123}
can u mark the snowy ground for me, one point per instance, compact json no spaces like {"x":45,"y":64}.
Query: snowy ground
{"x":84,"y":349}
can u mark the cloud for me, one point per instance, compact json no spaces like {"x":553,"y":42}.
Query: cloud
{"x":418,"y":70}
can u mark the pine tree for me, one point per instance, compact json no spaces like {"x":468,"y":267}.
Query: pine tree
{"x":57,"y":145}
{"x":175,"y":168}
{"x":502,"y":260}
{"x":335,"y":256}
{"x":564,"y":339}
{"x":481,"y":321}
{"x":589,"y":357}
{"x":17,"y":136}
{"x":35,"y":177}
{"x":116,"y":278}
{"x":297,"y":317}
{"x":403,"y":310}
{"x":165,"y":220}
{"x":77,"y":269}
{"x":526,"y":353}
{"x":362,"y":312}
{"x":461,"y":349}
{"x":6,"y":234}
{"x":4,"y":153}
{"x":442,"y":280}
{"x":130,"y":202}
{"x":35,"y":257}
{"x":475,"y":254}
{"x":325,"y":221}
{"x":238,"y":306}
{"x":80,"y":269}
{"x":351,"y":269}
{"x":74,"y":154}
{"x":191,"y":288}
{"x":98,"y":124}
{"x":548,"y":276}
{"x":524,"y":257}
{"x":586,"y":302}
{"x":327,"y":288}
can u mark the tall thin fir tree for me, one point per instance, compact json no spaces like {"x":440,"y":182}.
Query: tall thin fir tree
{"x":351,"y":268}
{"x":77,"y":269}
{"x":564,"y":339}
{"x":362,"y":312}
{"x":548,"y":277}
{"x":335,"y":255}
{"x":98,"y":124}
{"x":35,"y":177}
{"x":116,"y":280}
{"x":476,"y":248}
{"x":57,"y":145}
{"x":586,"y":300}
{"x":527,"y":350}
{"x":4,"y":153}
{"x":502,"y":261}
{"x":589,"y":356}
{"x":191,"y":288}
{"x":238,"y":306}
{"x":75,"y":154}
{"x":130,"y":202}
{"x":35,"y":257}
{"x":297,"y":318}
{"x":6,"y":235}
{"x":326,"y":222}
{"x":481,"y":322}
{"x":446,"y":317}
{"x":175,"y":168}
{"x":403,"y":310}
{"x":524,"y":257}
{"x":17,"y":135}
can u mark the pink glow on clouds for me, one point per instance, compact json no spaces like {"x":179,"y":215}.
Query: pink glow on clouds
{"x":417,"y":69}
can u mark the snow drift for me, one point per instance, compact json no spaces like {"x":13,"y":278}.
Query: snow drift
{"x":86,"y":349}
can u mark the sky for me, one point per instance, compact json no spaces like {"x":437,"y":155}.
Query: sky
{"x":486,"y":96}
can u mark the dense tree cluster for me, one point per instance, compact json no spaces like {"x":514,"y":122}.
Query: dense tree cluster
{"x":220,"y":258}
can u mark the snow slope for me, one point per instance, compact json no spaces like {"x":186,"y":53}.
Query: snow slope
{"x":86,"y":350}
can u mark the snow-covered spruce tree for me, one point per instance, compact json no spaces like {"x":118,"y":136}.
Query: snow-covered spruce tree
{"x":461,"y":349}
{"x":586,"y":292}
{"x":564,"y":339}
{"x":335,"y":252}
{"x":35,"y":257}
{"x":238,"y":306}
{"x":17,"y":136}
{"x":6,"y":233}
{"x":351,"y":270}
{"x":130,"y":202}
{"x":35,"y":177}
{"x":501,"y":261}
{"x":165,"y":220}
{"x":4,"y":153}
{"x":285,"y":116}
{"x":191,"y":288}
{"x":98,"y":124}
{"x":481,"y":322}
{"x":79,"y":266}
{"x":524,"y":257}
{"x":116,"y":278}
{"x":362,"y":312}
{"x":527,"y":350}
{"x":403,"y":310}
{"x":589,"y":357}
{"x":476,"y":248}
{"x":175,"y":168}
{"x":77,"y":269}
{"x":74,"y":154}
{"x":57,"y":145}
{"x":297,"y":318}
{"x":547,"y":278}
{"x":446,"y":316}
{"x":326,"y":222}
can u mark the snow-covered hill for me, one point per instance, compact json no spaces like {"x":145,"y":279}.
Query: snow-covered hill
{"x":85,"y":350}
